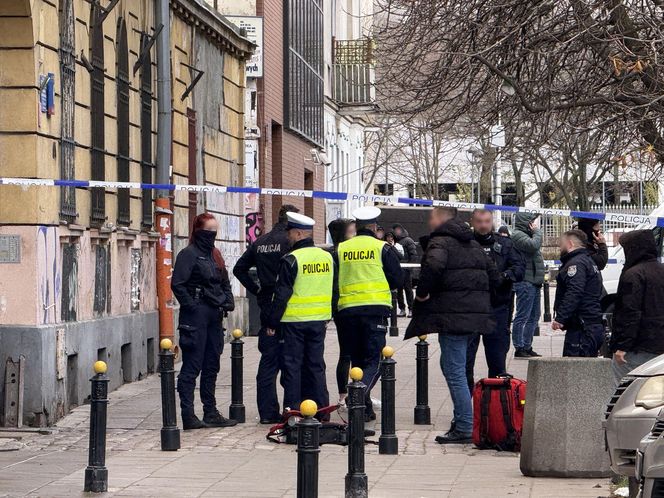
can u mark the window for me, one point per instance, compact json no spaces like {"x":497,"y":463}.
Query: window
{"x":122,"y":57}
{"x":146,"y":135}
{"x":97,"y":114}
{"x":68,"y":79}
{"x":303,"y":74}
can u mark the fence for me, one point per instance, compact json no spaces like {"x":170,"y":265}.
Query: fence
{"x":554,"y":226}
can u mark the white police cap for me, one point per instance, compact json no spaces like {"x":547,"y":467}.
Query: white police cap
{"x":297,"y":220}
{"x":367,"y":214}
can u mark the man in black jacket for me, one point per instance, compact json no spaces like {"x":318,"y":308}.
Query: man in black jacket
{"x":453,"y":300}
{"x":265,"y":254}
{"x":511,"y":266}
{"x":638,"y":318}
{"x":578,"y":291}
{"x":410,"y":256}
{"x":596,"y":245}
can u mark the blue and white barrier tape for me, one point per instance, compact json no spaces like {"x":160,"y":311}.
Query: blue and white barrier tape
{"x":635,"y":219}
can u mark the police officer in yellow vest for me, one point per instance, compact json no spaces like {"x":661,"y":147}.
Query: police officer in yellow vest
{"x":368,"y":268}
{"x":301,"y":308}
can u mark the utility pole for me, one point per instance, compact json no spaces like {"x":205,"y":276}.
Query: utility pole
{"x":163,"y":213}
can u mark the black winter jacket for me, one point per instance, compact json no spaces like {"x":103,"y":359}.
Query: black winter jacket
{"x":196,"y":278}
{"x":638,"y":318}
{"x":510,"y":264}
{"x":408,"y":244}
{"x":265,"y":254}
{"x":578,"y":291}
{"x":458,"y":277}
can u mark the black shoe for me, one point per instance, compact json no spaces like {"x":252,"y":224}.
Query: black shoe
{"x":369,"y":433}
{"x":402,"y":313}
{"x":533,"y":354}
{"x":270,"y":421}
{"x":521,"y":353}
{"x":190,"y":422}
{"x":455,"y":437}
{"x":216,"y":419}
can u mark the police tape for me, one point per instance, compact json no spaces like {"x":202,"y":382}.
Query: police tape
{"x":547,"y":262}
{"x":634,"y":219}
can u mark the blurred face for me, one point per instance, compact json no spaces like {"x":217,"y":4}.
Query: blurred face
{"x":535,"y":223}
{"x":437,"y":218}
{"x":398,"y":231}
{"x":566,"y":245}
{"x":350,"y":231}
{"x":389,"y":238}
{"x":482,"y":222}
{"x":211,"y":225}
{"x":380,"y":233}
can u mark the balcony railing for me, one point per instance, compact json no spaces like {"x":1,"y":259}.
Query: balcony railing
{"x":353,"y":72}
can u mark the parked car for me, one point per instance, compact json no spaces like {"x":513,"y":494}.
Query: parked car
{"x":650,"y":461}
{"x":631,"y":414}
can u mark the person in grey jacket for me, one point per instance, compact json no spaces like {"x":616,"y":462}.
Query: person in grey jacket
{"x":527,"y":239}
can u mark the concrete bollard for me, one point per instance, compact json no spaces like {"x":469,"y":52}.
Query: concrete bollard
{"x":96,"y":473}
{"x":236,"y":411}
{"x":562,"y":430}
{"x":307,"y":451}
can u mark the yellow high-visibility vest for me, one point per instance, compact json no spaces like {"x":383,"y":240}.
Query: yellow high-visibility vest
{"x":312,"y":291}
{"x":362,"y":281}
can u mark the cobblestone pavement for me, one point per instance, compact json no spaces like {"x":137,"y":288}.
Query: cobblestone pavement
{"x":240,"y":462}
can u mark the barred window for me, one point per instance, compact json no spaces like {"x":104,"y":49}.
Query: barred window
{"x":97,"y":114}
{"x":147,"y":164}
{"x":303,"y":107}
{"x":122,"y":57}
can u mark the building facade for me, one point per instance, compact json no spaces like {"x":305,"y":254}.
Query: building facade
{"x":78,"y":101}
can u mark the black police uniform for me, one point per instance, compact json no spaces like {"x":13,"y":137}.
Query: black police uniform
{"x":577,"y":305}
{"x":304,"y":342}
{"x":204,"y":293}
{"x":265,"y":254}
{"x":369,"y":324}
{"x":512,"y":267}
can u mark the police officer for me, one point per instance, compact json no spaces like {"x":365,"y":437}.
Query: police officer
{"x":301,"y":307}
{"x":512,"y":267}
{"x":368,"y":270}
{"x":200,"y":284}
{"x":577,"y":305}
{"x":265,"y":254}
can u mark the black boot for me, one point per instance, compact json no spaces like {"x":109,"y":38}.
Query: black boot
{"x":191,"y":421}
{"x":216,"y":419}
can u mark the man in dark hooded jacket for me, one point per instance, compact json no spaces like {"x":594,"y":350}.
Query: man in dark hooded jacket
{"x":410,"y":256}
{"x":596,"y":245}
{"x":454,"y":301}
{"x":638,"y":318}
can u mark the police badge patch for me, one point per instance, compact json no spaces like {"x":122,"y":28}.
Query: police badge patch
{"x":571,"y":271}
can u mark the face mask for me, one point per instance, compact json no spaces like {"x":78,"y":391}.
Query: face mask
{"x":205,"y":239}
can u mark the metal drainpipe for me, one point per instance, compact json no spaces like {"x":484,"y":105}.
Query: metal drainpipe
{"x":163,"y":213}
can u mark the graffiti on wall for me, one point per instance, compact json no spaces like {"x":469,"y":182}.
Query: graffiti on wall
{"x":253,"y":226}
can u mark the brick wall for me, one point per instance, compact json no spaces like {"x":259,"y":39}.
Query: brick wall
{"x":287,"y":169}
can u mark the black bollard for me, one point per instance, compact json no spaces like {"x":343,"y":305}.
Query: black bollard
{"x":307,"y":451}
{"x":388,"y":443}
{"x":357,"y":485}
{"x":394,"y":325}
{"x":236,"y":410}
{"x":96,"y":473}
{"x":422,"y":410}
{"x":547,"y":298}
{"x":170,"y":434}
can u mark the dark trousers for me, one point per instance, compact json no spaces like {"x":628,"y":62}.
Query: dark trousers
{"x":344,"y":336}
{"x":407,"y":290}
{"x":496,"y":346}
{"x":269,"y":366}
{"x":201,"y":343}
{"x":583,"y":341}
{"x":366,"y":344}
{"x":303,"y":374}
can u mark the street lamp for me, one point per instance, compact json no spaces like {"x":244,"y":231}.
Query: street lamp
{"x":476,"y":154}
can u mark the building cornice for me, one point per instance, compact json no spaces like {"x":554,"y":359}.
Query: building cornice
{"x":213,"y":26}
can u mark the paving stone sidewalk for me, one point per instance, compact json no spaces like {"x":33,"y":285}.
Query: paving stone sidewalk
{"x":240,"y":462}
